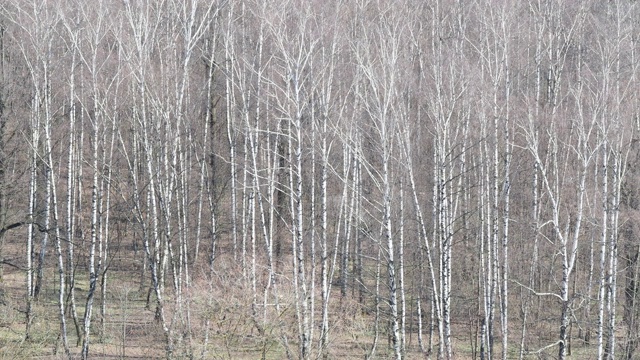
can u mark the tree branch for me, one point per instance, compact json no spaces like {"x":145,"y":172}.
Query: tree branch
{"x":12,"y":226}
{"x":535,"y":292}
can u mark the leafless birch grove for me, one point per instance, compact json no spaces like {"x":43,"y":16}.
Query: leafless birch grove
{"x":296,"y":179}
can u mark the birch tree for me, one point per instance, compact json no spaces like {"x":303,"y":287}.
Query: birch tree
{"x":35,"y":24}
{"x":380,"y":70}
{"x":295,"y":62}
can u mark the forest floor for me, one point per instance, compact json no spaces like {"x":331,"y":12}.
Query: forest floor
{"x":130,"y":331}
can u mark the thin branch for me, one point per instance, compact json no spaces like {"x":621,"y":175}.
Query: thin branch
{"x":535,"y":292}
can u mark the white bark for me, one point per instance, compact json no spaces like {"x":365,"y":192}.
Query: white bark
{"x":51,"y":203}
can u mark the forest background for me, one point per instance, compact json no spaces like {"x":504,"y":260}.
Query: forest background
{"x":318,"y":179}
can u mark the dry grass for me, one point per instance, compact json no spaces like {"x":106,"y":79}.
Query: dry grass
{"x":222,"y":320}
